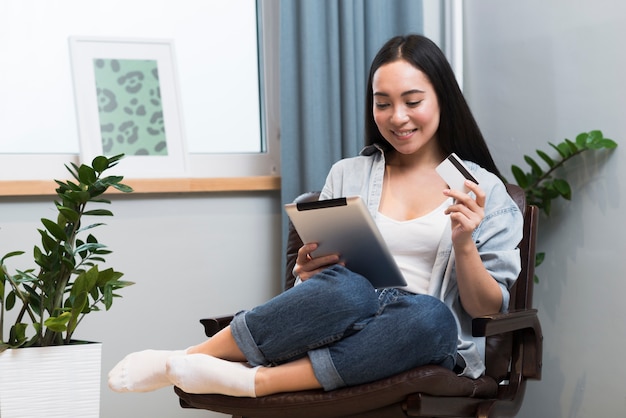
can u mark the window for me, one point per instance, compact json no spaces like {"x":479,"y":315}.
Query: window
{"x":227,"y":77}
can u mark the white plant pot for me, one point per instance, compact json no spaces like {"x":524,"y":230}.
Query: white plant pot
{"x":51,"y":382}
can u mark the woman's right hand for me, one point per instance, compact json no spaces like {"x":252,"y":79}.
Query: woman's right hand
{"x":308,"y":266}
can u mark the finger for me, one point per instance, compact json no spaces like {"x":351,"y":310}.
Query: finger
{"x":315,"y":265}
{"x":458,"y":196}
{"x":481,"y":197}
{"x":467,"y":221}
{"x":304,"y":252}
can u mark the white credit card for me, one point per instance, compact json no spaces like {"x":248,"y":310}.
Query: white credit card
{"x":454,"y":172}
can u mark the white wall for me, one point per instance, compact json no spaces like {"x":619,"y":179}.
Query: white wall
{"x":191,"y":256}
{"x":539,"y":71}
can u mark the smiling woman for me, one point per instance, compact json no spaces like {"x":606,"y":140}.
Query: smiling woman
{"x":229,"y":123}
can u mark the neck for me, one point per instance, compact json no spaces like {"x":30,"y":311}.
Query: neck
{"x":425,"y":159}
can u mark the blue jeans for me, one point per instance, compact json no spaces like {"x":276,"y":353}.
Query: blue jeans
{"x":352,"y":333}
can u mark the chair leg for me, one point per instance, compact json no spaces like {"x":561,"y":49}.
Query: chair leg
{"x":484,"y":409}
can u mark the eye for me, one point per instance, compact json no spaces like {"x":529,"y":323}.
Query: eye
{"x":381,"y":106}
{"x":414,"y":103}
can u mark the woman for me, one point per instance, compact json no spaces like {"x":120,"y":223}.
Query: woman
{"x":456,"y":250}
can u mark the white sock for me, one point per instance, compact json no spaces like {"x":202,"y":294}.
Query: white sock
{"x":142,"y":371}
{"x":201,"y":373}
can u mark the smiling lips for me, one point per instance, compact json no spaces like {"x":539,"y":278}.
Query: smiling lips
{"x":403,"y":134}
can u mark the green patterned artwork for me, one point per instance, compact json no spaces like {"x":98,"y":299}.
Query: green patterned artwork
{"x":129,"y":107}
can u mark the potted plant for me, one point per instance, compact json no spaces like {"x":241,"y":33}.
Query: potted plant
{"x":50,"y":300}
{"x":542,"y":185}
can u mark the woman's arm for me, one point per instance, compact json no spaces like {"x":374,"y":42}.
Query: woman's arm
{"x":479,"y":292}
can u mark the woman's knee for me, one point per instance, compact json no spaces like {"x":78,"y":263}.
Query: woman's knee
{"x":432,"y":318}
{"x":346,"y":290}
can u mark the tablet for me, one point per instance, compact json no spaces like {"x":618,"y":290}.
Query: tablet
{"x":344,"y":226}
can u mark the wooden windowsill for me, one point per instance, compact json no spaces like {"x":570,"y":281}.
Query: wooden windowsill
{"x":168,"y":185}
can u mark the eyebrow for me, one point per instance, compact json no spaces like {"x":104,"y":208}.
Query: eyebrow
{"x":406,"y":93}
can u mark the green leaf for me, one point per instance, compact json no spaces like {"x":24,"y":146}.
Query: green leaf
{"x":583,"y":139}
{"x":17,"y":334}
{"x":115,"y":159}
{"x":111,"y":180}
{"x":11,"y":254}
{"x":539,"y":258}
{"x":563,"y":188}
{"x":520,"y":177}
{"x":107,"y":293}
{"x":85,"y":281}
{"x":122,"y":187}
{"x":91,"y":226}
{"x":69,"y":213}
{"x":49,"y":243}
{"x":73,"y":171}
{"x":97,"y":188}
{"x":86,"y":174}
{"x":54,"y":229}
{"x":40,"y":258}
{"x":594,"y":145}
{"x":107,"y":276}
{"x":572,"y":146}
{"x":545,"y":157}
{"x":100,"y":163}
{"x":68,"y":185}
{"x":562,"y":153}
{"x":566,"y":150}
{"x":10,"y":300}
{"x":79,"y":303}
{"x":88,"y":247}
{"x":608,"y":143}
{"x":595,"y":135}
{"x":58,"y":323}
{"x":107,"y":297}
{"x":98,"y":212}
{"x":536,"y":170}
{"x":77,"y":197}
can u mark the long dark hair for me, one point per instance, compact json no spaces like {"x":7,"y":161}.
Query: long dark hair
{"x":458,"y":131}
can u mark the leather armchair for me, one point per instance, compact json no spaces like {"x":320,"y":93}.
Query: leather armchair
{"x":513,"y":355}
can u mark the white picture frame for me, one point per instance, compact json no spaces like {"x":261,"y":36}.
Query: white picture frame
{"x":161,"y":153}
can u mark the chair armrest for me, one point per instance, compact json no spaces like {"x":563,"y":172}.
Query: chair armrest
{"x":499,"y":323}
{"x":526,"y":325}
{"x":213,"y":325}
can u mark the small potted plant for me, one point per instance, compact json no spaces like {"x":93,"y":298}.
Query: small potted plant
{"x":51,"y":299}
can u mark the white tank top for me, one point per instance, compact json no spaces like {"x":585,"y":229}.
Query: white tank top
{"x":414,"y":244}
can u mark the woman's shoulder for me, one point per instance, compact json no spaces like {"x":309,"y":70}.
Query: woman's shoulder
{"x":365,"y":159}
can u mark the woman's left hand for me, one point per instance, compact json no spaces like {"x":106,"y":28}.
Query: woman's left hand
{"x":466,"y":213}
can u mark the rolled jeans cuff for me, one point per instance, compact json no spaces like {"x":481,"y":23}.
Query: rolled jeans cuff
{"x":245,"y":342}
{"x":324,"y":369}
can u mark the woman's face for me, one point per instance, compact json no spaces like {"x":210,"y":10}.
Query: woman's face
{"x":406,"y":109}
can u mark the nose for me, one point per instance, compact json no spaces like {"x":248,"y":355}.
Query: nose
{"x":399,"y":115}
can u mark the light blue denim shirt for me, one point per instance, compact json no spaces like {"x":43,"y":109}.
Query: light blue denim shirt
{"x":496,"y":238}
